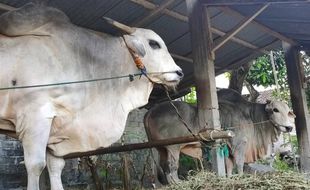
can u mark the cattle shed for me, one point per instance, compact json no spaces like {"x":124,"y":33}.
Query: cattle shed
{"x":207,"y":38}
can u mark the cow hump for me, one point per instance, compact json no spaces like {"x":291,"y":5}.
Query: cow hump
{"x":25,"y":20}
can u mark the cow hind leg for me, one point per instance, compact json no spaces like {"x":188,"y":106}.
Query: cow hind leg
{"x":55,"y":166}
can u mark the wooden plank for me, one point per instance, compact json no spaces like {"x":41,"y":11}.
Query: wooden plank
{"x":237,"y":63}
{"x":155,"y":12}
{"x":299,"y":103}
{"x":237,"y":29}
{"x":250,"y":2}
{"x":261,"y":26}
{"x":238,"y":40}
{"x":182,"y":58}
{"x":151,"y":6}
{"x":207,"y":102}
{"x":6,"y":7}
{"x":158,"y":143}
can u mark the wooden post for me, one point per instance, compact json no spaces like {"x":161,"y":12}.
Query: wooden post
{"x":201,"y":40}
{"x":299,"y":102}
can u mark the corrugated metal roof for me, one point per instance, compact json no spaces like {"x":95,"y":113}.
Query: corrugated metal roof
{"x":290,"y":20}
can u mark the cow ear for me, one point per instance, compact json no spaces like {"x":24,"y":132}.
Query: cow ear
{"x":268,"y":107}
{"x":136,"y":45}
{"x":291,"y":114}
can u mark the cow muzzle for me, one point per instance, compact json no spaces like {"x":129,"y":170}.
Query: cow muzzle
{"x":286,"y":129}
{"x":172,"y":78}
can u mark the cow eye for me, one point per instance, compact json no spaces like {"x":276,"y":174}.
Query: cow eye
{"x":275,"y":110}
{"x":154,"y":44}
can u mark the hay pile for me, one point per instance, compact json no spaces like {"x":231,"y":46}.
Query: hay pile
{"x":275,"y":181}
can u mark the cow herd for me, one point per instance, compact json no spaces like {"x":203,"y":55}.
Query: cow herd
{"x":40,"y":46}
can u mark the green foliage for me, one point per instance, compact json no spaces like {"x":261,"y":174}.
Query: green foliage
{"x":103,"y":172}
{"x":281,"y":165}
{"x":187,"y":162}
{"x":191,"y":97}
{"x":261,"y":73}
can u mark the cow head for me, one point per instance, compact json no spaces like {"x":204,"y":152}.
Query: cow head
{"x":280,"y":115}
{"x":153,"y":52}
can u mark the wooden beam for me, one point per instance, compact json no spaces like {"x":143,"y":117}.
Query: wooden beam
{"x":153,"y":13}
{"x":158,"y":143}
{"x":182,"y":58}
{"x":238,"y":40}
{"x":237,"y":28}
{"x":287,"y":20}
{"x":250,"y":2}
{"x":299,"y":103}
{"x":184,"y":18}
{"x":151,"y":6}
{"x":207,"y":102}
{"x":261,"y":26}
{"x":6,"y":7}
{"x":246,"y":59}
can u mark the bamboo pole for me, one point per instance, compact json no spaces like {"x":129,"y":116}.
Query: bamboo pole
{"x":206,"y":135}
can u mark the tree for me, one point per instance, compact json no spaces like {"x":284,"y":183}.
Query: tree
{"x":261,"y":74}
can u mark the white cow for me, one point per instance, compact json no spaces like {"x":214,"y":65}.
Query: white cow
{"x":39,"y":45}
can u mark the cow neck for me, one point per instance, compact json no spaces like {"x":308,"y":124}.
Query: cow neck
{"x":259,"y":115}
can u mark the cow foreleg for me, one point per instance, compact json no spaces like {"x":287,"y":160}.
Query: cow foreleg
{"x":173,"y":164}
{"x":34,"y":144}
{"x":229,"y":166}
{"x":239,"y":155}
{"x":55,"y":166}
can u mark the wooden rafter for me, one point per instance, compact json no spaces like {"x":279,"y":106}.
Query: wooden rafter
{"x":237,"y":28}
{"x":182,"y":58}
{"x":261,"y":26}
{"x":153,"y":13}
{"x":184,"y":18}
{"x":6,"y":7}
{"x":245,"y":59}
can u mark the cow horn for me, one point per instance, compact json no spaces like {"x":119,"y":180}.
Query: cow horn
{"x":119,"y":26}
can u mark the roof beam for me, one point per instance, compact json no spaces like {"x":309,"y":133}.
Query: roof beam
{"x":151,"y":6}
{"x":261,"y":26}
{"x":153,"y":13}
{"x":182,"y":58}
{"x":250,"y":2}
{"x":6,"y":7}
{"x":247,"y":58}
{"x":184,"y":18}
{"x":284,"y":20}
{"x":236,"y":29}
{"x":238,"y":40}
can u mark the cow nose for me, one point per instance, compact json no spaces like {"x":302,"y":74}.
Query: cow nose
{"x":180,"y":73}
{"x":288,"y":129}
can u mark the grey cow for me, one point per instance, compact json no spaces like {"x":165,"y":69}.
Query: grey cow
{"x":255,"y":125}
